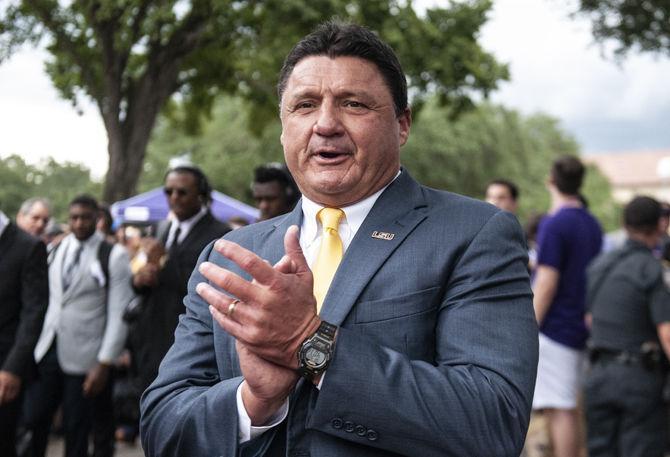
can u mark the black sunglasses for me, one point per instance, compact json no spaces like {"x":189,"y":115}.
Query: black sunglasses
{"x":180,"y":192}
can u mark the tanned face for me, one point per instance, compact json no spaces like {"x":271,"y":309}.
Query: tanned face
{"x":181,"y":190}
{"x":271,"y":199}
{"x":82,"y":220}
{"x":340,"y":132}
{"x":501,"y":196}
{"x":35,"y":220}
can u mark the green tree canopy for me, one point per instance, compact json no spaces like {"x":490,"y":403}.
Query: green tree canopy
{"x":461,"y":156}
{"x":495,"y":142}
{"x":132,"y":56}
{"x":58,"y":182}
{"x":641,"y":24}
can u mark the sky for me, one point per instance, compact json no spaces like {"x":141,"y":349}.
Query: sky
{"x":556,"y":68}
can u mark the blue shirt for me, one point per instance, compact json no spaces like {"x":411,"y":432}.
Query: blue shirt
{"x":568,"y":241}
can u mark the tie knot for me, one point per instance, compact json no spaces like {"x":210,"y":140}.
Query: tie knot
{"x":330,"y":217}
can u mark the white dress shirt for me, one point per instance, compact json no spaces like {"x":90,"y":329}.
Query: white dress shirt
{"x":4,"y":222}
{"x":71,"y":245}
{"x":184,"y":226}
{"x":310,"y":241}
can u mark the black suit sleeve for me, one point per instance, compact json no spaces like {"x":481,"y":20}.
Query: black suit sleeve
{"x":34,"y":301}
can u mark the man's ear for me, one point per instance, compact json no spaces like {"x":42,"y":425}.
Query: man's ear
{"x":404,"y":124}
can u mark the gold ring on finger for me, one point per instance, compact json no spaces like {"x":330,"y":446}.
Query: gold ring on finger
{"x":231,"y":307}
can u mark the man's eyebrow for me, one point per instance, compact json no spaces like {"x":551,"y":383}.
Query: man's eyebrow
{"x":344,"y":93}
{"x":303,"y":93}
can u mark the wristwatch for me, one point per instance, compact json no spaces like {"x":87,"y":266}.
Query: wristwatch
{"x":316,"y":351}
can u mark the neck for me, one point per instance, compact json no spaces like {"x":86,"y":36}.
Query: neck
{"x":649,"y":239}
{"x":560,"y":200}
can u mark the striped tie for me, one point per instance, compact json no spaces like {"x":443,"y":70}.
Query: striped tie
{"x":68,"y":274}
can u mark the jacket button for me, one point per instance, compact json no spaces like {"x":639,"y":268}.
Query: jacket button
{"x":336,"y":423}
{"x":360,"y":430}
{"x":372,"y":435}
{"x":349,"y":427}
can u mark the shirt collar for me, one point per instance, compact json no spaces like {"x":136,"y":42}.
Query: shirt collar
{"x":186,"y":224}
{"x":74,"y":243}
{"x":4,"y":222}
{"x":354,"y":215}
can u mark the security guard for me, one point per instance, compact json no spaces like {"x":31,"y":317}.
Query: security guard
{"x":629,"y":307}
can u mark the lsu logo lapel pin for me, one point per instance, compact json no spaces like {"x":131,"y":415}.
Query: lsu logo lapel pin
{"x":383,"y":235}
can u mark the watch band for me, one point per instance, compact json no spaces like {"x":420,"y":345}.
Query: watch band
{"x":327,"y":330}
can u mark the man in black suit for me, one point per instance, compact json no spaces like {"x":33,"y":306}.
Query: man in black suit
{"x":184,"y":236}
{"x":24,"y":294}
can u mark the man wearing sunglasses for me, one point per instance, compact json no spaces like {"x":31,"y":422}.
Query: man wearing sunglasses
{"x":190,"y":228}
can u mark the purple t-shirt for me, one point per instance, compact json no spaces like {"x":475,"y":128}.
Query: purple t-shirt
{"x":568,"y":241}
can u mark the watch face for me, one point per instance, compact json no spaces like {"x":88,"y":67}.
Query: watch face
{"x":314,"y":357}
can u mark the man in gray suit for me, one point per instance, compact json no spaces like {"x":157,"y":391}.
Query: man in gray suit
{"x":82,"y":333}
{"x":379,"y":318}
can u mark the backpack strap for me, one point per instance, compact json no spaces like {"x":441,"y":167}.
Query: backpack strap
{"x":104,"y":251}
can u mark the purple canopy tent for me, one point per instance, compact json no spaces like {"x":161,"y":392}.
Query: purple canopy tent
{"x":152,"y":206}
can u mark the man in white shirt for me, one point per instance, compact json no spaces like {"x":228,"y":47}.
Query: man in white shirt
{"x":379,"y":318}
{"x":83,"y":333}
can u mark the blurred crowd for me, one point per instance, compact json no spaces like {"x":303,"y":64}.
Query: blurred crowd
{"x":88,"y":310}
{"x":603,"y":309}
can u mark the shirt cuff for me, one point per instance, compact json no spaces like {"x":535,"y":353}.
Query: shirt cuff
{"x":248,"y":432}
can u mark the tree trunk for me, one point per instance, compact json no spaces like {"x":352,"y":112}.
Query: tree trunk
{"x":128,"y":139}
{"x":125,"y":163}
{"x":144,"y":98}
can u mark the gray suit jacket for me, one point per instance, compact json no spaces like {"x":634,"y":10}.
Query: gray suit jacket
{"x":436,"y":353}
{"x":87,"y":317}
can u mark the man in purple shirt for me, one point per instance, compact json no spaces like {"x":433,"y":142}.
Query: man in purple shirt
{"x":568,"y":239}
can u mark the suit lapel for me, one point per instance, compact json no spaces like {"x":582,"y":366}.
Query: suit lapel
{"x":399,"y":209}
{"x":162,"y":231}
{"x":56,"y":270}
{"x":6,"y":240}
{"x":270,"y":244}
{"x":199,"y":226}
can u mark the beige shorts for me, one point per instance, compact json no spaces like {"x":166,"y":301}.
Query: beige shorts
{"x":560,"y":372}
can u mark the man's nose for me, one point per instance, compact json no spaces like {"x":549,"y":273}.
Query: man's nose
{"x":328,"y":123}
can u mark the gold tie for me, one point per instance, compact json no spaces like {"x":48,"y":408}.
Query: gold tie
{"x":330,"y":253}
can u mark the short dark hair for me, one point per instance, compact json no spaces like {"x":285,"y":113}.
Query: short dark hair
{"x":513,"y":189}
{"x":665,"y":209}
{"x":276,"y":171}
{"x":105,"y":214}
{"x":567,"y":173}
{"x":339,"y":39}
{"x":642,"y":213}
{"x":85,"y":200}
{"x":202,"y":183}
